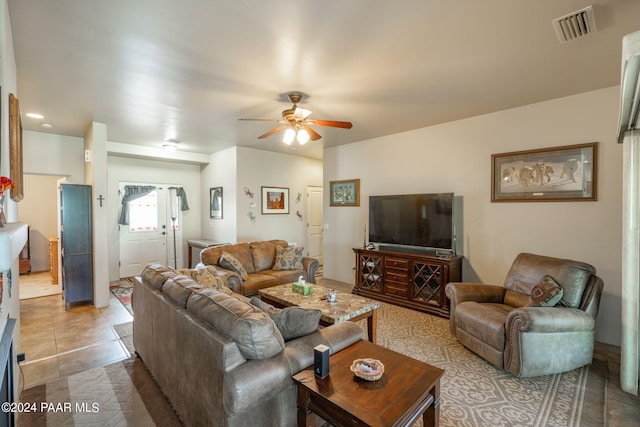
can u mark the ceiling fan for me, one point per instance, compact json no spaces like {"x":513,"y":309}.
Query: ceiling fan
{"x":296,"y":123}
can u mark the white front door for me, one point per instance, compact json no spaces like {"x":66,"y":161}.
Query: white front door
{"x":314,"y":222}
{"x":149,"y":236}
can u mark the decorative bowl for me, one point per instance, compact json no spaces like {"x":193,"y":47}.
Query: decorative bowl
{"x":367,"y":369}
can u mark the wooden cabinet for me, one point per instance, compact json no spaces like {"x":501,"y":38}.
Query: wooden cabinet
{"x":76,"y":243}
{"x":410,"y":279}
{"x":24,"y":260}
{"x":53,"y":259}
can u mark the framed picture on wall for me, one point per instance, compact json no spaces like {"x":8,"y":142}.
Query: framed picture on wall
{"x":275,"y":200}
{"x":215,"y":202}
{"x":567,"y":173}
{"x":15,"y":148}
{"x":344,"y":193}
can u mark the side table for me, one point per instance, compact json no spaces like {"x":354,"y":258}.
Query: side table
{"x":200,"y":244}
{"x":408,"y":390}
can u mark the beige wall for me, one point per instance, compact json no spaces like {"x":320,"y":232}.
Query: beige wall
{"x":257,"y":168}
{"x":51,"y":154}
{"x":456,"y":157}
{"x":220,"y":172}
{"x":238,"y":168}
{"x":39,"y":210}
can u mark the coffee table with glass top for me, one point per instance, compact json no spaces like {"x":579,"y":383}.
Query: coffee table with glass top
{"x":347,"y":307}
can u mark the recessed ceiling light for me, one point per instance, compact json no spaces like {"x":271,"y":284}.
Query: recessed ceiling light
{"x":46,"y":125}
{"x":35,"y":116}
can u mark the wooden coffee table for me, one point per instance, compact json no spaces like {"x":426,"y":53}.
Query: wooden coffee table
{"x":347,"y":307}
{"x":407,"y":390}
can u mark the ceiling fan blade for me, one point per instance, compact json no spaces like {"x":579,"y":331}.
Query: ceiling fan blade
{"x":265,"y":120}
{"x":313,"y":135}
{"x":272,"y":131}
{"x":330,"y":123}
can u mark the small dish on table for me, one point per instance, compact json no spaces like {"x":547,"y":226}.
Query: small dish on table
{"x":367,"y":369}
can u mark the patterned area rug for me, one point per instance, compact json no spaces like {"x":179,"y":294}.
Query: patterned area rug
{"x":473,"y":392}
{"x":122,"y":291}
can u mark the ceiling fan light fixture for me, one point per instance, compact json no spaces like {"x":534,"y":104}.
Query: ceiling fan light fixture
{"x":170,"y":145}
{"x":301,"y":113}
{"x":289,"y":136}
{"x":303,"y":136}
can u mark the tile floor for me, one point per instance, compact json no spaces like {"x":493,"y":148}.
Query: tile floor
{"x":59,"y":342}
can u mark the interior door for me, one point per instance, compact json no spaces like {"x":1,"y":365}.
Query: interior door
{"x":314,"y":222}
{"x":149,"y":236}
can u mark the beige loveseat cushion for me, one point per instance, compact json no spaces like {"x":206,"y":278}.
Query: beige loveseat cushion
{"x":240,"y":251}
{"x":255,"y":334}
{"x":264,"y":253}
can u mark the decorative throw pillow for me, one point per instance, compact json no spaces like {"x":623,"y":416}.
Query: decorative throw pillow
{"x":292,"y":322}
{"x":230,"y":262}
{"x":547,"y":293}
{"x":207,"y":276}
{"x":289,"y":258}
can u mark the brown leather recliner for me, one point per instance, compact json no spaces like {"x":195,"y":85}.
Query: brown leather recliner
{"x":501,"y":324}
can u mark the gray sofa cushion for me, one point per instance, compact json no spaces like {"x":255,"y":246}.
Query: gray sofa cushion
{"x":292,"y":322}
{"x":527,"y":270}
{"x":179,"y":288}
{"x":252,"y":329}
{"x":156,"y":274}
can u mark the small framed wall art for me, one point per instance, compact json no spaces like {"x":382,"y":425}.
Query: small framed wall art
{"x":567,"y":173}
{"x":275,"y":200}
{"x":215,"y":202}
{"x":344,"y":193}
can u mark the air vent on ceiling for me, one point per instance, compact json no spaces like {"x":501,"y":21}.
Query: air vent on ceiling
{"x":575,"y":25}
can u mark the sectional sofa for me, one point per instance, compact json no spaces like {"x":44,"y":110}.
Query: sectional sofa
{"x":219,"y":359}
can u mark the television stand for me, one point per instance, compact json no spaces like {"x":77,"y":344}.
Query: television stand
{"x":411,"y":279}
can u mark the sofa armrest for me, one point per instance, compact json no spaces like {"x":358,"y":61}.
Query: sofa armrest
{"x":260,"y":380}
{"x":231,"y":279}
{"x":545,"y":340}
{"x":311,"y":266}
{"x":458,"y":292}
{"x":548,"y":320}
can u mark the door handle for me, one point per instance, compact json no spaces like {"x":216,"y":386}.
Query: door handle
{"x":164,"y":232}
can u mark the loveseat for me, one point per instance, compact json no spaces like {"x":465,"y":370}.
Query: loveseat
{"x":219,"y":359}
{"x":256,"y":265}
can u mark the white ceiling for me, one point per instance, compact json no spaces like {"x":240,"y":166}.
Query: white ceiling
{"x":158,"y":69}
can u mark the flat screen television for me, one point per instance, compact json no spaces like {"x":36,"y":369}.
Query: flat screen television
{"x":424,"y":221}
